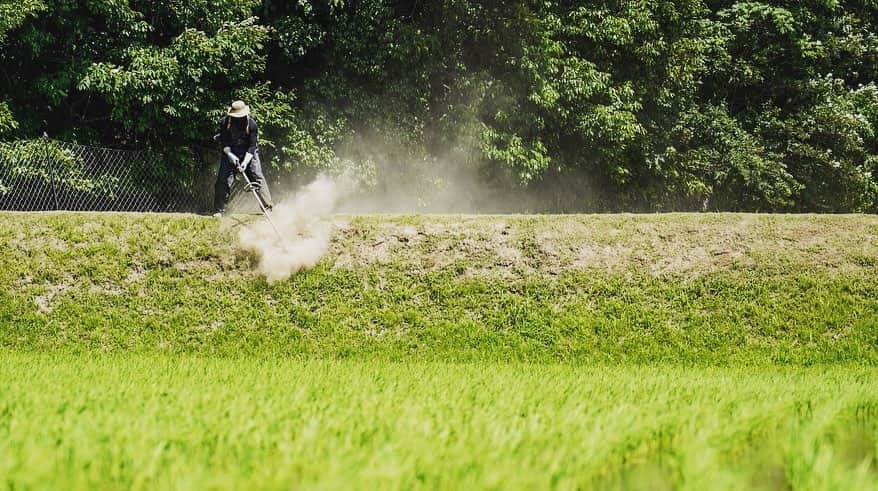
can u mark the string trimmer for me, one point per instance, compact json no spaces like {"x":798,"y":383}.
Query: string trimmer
{"x":250,"y":186}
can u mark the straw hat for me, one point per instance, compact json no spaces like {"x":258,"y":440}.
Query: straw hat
{"x":239,"y":110}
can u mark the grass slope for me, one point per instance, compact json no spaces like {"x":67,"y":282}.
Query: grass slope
{"x":701,"y":289}
{"x":614,"y":352}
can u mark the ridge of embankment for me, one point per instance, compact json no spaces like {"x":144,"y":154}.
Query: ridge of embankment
{"x":724,"y":289}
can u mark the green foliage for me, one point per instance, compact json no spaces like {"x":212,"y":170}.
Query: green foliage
{"x":14,"y":13}
{"x":831,"y":147}
{"x":797,"y":85}
{"x":7,"y":120}
{"x":724,"y":167}
{"x":173,"y":86}
{"x":634,"y":105}
{"x":53,"y":164}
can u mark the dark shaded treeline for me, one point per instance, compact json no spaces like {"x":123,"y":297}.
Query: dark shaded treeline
{"x":603,"y":105}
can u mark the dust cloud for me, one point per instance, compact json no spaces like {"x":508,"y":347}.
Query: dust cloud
{"x":304,"y":231}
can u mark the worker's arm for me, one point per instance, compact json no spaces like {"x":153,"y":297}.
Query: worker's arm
{"x":254,"y":141}
{"x":224,"y":139}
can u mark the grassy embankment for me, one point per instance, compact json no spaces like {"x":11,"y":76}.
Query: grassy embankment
{"x":442,"y":351}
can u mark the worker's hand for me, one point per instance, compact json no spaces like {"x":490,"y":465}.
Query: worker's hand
{"x":247,"y":158}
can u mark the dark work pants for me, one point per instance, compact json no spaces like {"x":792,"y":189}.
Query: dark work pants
{"x":225,"y":181}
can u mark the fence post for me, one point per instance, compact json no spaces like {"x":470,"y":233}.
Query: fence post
{"x":51,"y":169}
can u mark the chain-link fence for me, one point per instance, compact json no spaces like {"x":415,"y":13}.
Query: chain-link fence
{"x":45,"y":174}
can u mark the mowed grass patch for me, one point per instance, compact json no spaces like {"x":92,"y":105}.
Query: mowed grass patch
{"x":697,"y":289}
{"x":131,"y":421}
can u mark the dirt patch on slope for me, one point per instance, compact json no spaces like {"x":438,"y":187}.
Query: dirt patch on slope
{"x":45,"y":302}
{"x":517,"y":247}
{"x":680,"y":245}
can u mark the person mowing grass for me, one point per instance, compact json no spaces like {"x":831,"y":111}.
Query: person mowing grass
{"x":239,"y":137}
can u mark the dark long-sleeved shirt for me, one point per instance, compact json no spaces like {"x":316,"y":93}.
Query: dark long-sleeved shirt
{"x":241,"y":139}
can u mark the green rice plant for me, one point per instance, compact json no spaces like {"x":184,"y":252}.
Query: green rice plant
{"x":159,"y":422}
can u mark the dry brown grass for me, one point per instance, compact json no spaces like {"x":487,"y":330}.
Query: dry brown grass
{"x":687,"y":245}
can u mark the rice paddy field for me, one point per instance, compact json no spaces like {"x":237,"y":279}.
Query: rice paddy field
{"x":678,"y":351}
